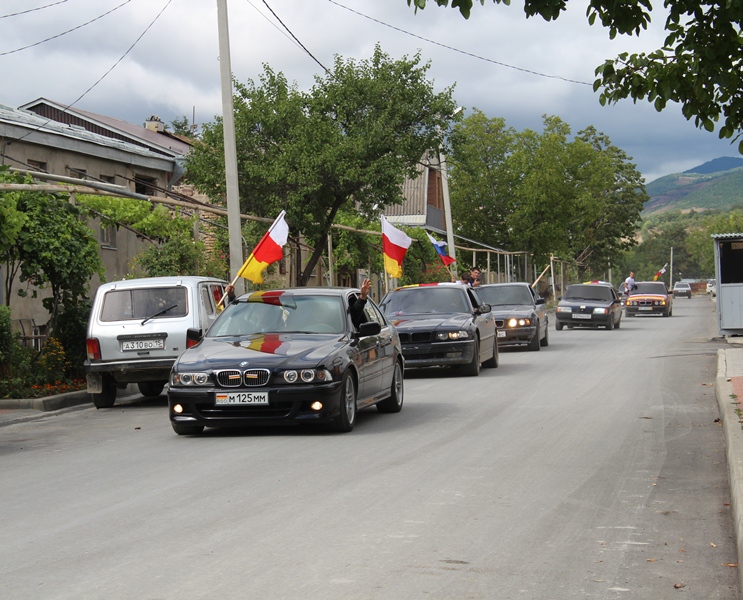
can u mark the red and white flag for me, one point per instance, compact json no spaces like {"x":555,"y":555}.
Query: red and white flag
{"x":269,"y":250}
{"x":395,"y":244}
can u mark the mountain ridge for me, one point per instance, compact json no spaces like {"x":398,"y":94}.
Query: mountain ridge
{"x":716,"y":184}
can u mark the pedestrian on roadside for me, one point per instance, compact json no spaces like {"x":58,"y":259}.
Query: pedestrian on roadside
{"x":629,"y":283}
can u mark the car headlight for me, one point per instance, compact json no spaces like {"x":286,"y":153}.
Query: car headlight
{"x":452,"y":335}
{"x":600,"y":311}
{"x":307,"y":376}
{"x":518,"y":322}
{"x":565,"y":309}
{"x":190,"y":379}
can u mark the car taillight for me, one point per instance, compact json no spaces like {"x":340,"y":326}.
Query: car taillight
{"x":94,"y":349}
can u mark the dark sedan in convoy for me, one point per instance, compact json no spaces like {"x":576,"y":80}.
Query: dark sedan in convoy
{"x":589,"y":305}
{"x":520,"y":314}
{"x":445,"y":324}
{"x":649,"y":298}
{"x":305,"y":355}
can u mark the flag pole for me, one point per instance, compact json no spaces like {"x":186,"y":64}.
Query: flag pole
{"x":252,"y":254}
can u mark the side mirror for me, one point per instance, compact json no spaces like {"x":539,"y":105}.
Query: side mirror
{"x":370,"y":328}
{"x":193,"y":337}
{"x":540,"y":301}
{"x":483,"y":308}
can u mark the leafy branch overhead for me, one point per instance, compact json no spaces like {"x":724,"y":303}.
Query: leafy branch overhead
{"x":348,"y":143}
{"x":699,"y":66}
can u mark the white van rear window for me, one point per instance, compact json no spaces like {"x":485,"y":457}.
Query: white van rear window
{"x":123,"y":305}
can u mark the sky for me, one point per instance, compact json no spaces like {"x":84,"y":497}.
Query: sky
{"x":161,"y":57}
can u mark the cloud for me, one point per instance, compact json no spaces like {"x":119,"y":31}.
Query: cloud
{"x":174,"y":69}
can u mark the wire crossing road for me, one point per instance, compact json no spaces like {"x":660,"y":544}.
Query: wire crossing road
{"x":591,"y":469}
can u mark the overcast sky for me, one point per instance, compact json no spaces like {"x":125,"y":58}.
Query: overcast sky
{"x":499,"y":61}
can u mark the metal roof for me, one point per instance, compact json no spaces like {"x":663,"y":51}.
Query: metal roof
{"x":727,"y":236}
{"x":35,"y":124}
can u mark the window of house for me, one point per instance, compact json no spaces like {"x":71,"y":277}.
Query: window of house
{"x":37,"y":164}
{"x":107,"y":178}
{"x":144,"y":185}
{"x":77,"y":173}
{"x":108,"y":237}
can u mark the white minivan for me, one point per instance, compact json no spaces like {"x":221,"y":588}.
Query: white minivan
{"x":137,"y":328}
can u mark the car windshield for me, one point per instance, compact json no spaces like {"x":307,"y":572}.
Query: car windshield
{"x":291,"y":314}
{"x":426,"y":300}
{"x":144,"y":304}
{"x":650,"y":287}
{"x":500,"y":295}
{"x":588,"y":292}
{"x":682,"y":286}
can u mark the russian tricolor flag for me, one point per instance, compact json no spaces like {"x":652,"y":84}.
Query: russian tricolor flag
{"x":439,"y":246}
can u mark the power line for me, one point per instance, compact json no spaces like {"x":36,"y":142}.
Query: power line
{"x":54,"y":37}
{"x":23,"y":12}
{"x":295,"y":37}
{"x":102,"y":77}
{"x":470,"y":54}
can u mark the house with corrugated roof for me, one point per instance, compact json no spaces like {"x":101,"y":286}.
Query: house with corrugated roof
{"x":74,"y":144}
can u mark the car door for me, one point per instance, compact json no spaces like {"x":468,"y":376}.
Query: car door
{"x":368,"y":358}
{"x":485,"y":322}
{"x":384,"y":369}
{"x":540,"y":308}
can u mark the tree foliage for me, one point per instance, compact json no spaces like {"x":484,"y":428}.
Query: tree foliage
{"x":347,"y":143}
{"x":698,"y":65}
{"x":173,"y":249}
{"x":544,"y":192}
{"x":52,"y":249}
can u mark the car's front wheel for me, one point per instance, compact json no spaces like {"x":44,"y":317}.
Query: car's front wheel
{"x":151,"y":388}
{"x":492,"y":362}
{"x":186,"y":429}
{"x":545,"y":341}
{"x":610,"y":323}
{"x":107,"y":397}
{"x":346,"y":418}
{"x":534,"y":341}
{"x":393,"y":404}
{"x":558,"y":325}
{"x":473,"y":368}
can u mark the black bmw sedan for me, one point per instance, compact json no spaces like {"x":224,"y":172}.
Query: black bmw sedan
{"x":445,"y":324}
{"x":304,"y":355}
{"x":589,"y":305}
{"x":520,"y":314}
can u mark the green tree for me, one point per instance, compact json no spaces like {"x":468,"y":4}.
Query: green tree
{"x":56,"y":250}
{"x":543,"y":192}
{"x":348,"y":142}
{"x":182,"y":126}
{"x":698,"y":65}
{"x":11,"y":223}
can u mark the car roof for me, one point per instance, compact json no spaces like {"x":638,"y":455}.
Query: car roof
{"x":158,"y":282}
{"x":504,"y":283}
{"x":433,"y":284}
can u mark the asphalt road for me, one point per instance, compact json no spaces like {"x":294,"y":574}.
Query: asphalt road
{"x":591,"y":469}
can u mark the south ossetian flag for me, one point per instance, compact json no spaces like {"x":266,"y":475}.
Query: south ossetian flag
{"x":269,"y":250}
{"x":395,"y":244}
{"x":439,"y":246}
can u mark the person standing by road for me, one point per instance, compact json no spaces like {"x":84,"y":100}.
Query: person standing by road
{"x":629,"y":283}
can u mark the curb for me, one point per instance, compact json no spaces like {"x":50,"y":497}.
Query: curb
{"x":48,"y":403}
{"x":66,"y":400}
{"x":731,"y":424}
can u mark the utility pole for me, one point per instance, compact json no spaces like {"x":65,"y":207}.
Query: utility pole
{"x":230,"y":147}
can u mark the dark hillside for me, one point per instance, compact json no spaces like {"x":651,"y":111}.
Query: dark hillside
{"x":708,"y":186}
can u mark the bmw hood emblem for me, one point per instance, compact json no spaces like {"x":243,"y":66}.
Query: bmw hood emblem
{"x":244,"y":363}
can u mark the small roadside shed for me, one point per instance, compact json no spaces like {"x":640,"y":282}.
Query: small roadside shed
{"x":729,"y":282}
